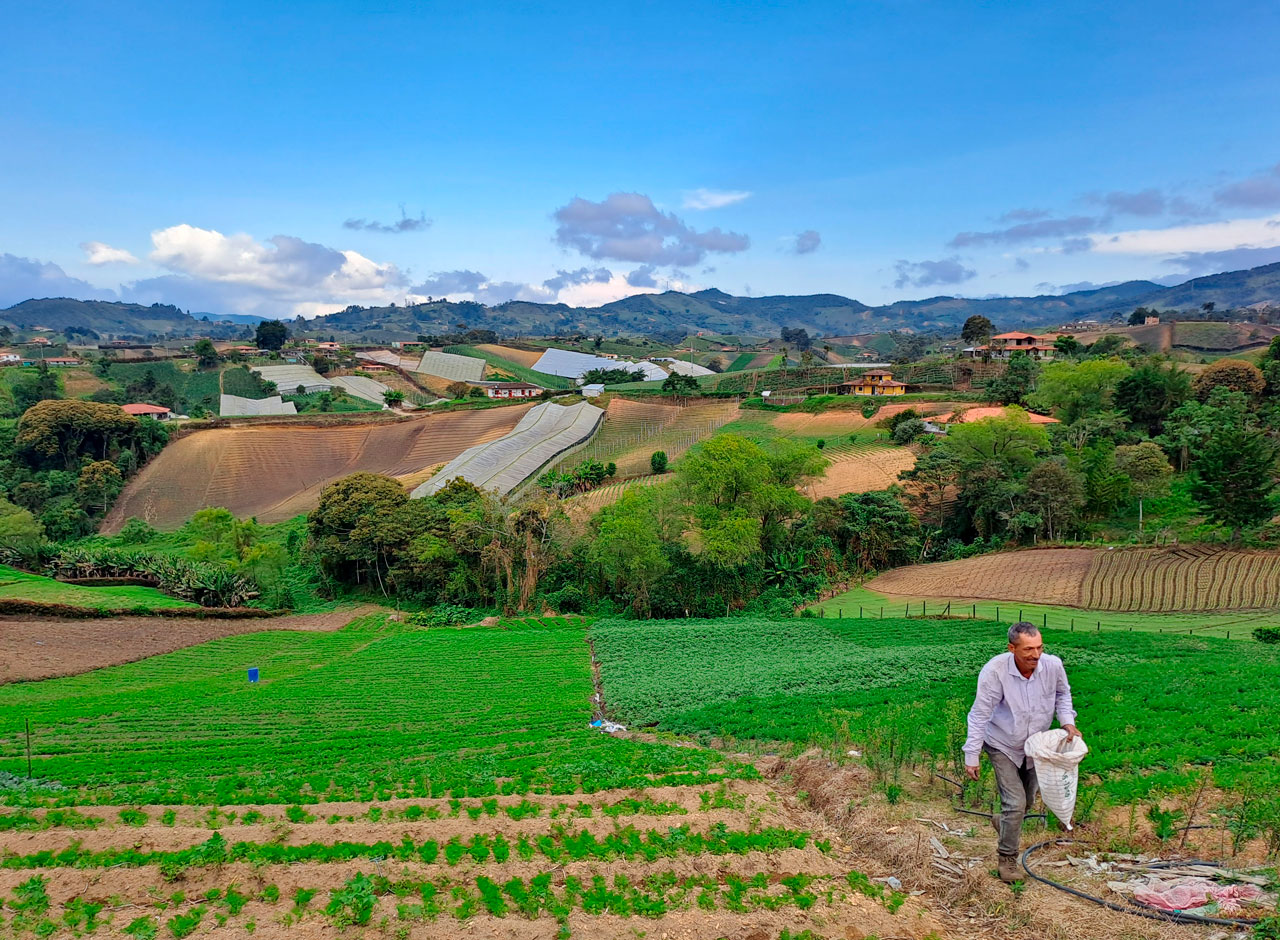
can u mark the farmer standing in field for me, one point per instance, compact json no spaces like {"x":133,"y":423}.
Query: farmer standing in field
{"x":1018,"y":694}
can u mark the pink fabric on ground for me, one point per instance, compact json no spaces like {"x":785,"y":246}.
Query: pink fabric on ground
{"x":1187,"y":894}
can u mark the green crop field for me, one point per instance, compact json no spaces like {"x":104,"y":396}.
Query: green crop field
{"x":1150,"y":706}
{"x":192,"y":387}
{"x":21,"y":585}
{"x":741,"y":362}
{"x":371,"y":711}
{"x":514,"y":369}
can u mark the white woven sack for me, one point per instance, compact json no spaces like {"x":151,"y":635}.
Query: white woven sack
{"x":1057,"y":769}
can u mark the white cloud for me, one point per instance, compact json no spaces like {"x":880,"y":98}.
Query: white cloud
{"x":702,"y":198}
{"x":102,"y":253}
{"x":282,"y":271}
{"x":1181,"y":239}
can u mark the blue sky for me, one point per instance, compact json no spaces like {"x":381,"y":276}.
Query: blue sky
{"x":286,"y":159}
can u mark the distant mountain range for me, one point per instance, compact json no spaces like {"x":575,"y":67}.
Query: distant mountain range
{"x":711,"y":311}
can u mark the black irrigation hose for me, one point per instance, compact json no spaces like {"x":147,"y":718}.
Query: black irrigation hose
{"x":975,"y":812}
{"x":1177,"y":917}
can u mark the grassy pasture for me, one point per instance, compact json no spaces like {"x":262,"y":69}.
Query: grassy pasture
{"x":192,"y":386}
{"x":1149,"y":705}
{"x":20,"y":585}
{"x":1226,"y":624}
{"x":372,"y":711}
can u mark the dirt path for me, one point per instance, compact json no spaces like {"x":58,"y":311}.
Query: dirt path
{"x":39,"y":648}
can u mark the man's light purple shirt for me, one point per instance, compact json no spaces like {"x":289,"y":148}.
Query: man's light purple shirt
{"x":1009,"y":708}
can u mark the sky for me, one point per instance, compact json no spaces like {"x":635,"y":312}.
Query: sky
{"x":292,"y":159}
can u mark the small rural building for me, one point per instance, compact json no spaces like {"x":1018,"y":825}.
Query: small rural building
{"x":509,"y":389}
{"x":1004,"y":345}
{"x":329,"y":347}
{"x":9,"y":359}
{"x":38,"y":341}
{"x":592,"y":390}
{"x":874,"y":382}
{"x":57,"y":362}
{"x":140,"y":410}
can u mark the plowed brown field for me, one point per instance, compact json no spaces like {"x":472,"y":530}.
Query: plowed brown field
{"x":521,"y":357}
{"x":846,"y":421}
{"x":1182,"y":579}
{"x":1151,"y":580}
{"x":39,"y":648}
{"x":1046,"y":576}
{"x":276,"y":472}
{"x":861,"y":471}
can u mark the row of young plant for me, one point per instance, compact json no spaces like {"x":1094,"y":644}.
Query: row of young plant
{"x":215,"y":818}
{"x":418,"y":900}
{"x":560,"y":846}
{"x":208,"y":584}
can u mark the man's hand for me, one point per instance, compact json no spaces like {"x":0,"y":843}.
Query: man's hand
{"x":1072,"y":732}
{"x":971,"y":772}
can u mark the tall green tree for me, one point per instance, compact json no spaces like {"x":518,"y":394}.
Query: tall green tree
{"x":1010,"y":439}
{"x":1148,"y":470}
{"x":270,"y":334}
{"x":1017,"y":382}
{"x":1056,"y":496}
{"x":1148,"y":394}
{"x":1235,"y":477}
{"x":977,"y":330}
{"x":43,"y":385}
{"x":1074,"y":390}
{"x":206,"y":353}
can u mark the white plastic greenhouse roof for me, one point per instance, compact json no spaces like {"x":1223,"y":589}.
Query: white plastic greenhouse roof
{"x":362,"y":386}
{"x":233,"y":406}
{"x":683,"y":367}
{"x":388,"y":358}
{"x":288,"y":378}
{"x":451,"y":366}
{"x":545,"y":431}
{"x":574,"y":365}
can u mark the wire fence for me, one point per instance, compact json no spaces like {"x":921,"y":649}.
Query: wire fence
{"x":1238,"y":623}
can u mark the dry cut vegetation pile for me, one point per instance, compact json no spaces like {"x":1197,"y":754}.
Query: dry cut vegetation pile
{"x":276,"y":472}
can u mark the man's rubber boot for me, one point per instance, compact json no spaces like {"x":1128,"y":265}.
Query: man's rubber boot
{"x":995,"y":823}
{"x":1008,"y":869}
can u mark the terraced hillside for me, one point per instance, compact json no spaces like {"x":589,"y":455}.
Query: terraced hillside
{"x":632,"y":431}
{"x":276,"y":472}
{"x":1151,"y":580}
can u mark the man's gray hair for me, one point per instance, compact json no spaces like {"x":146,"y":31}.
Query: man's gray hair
{"x":1022,"y":628}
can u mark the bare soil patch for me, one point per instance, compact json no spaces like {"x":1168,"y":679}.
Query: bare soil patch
{"x":1044,"y":576}
{"x":277,"y":472}
{"x":845,"y":421}
{"x":521,"y":357}
{"x":862,"y":472}
{"x":35,"y":648}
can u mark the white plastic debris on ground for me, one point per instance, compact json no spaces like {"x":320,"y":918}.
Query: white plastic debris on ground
{"x":609,"y":727}
{"x":545,"y":431}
